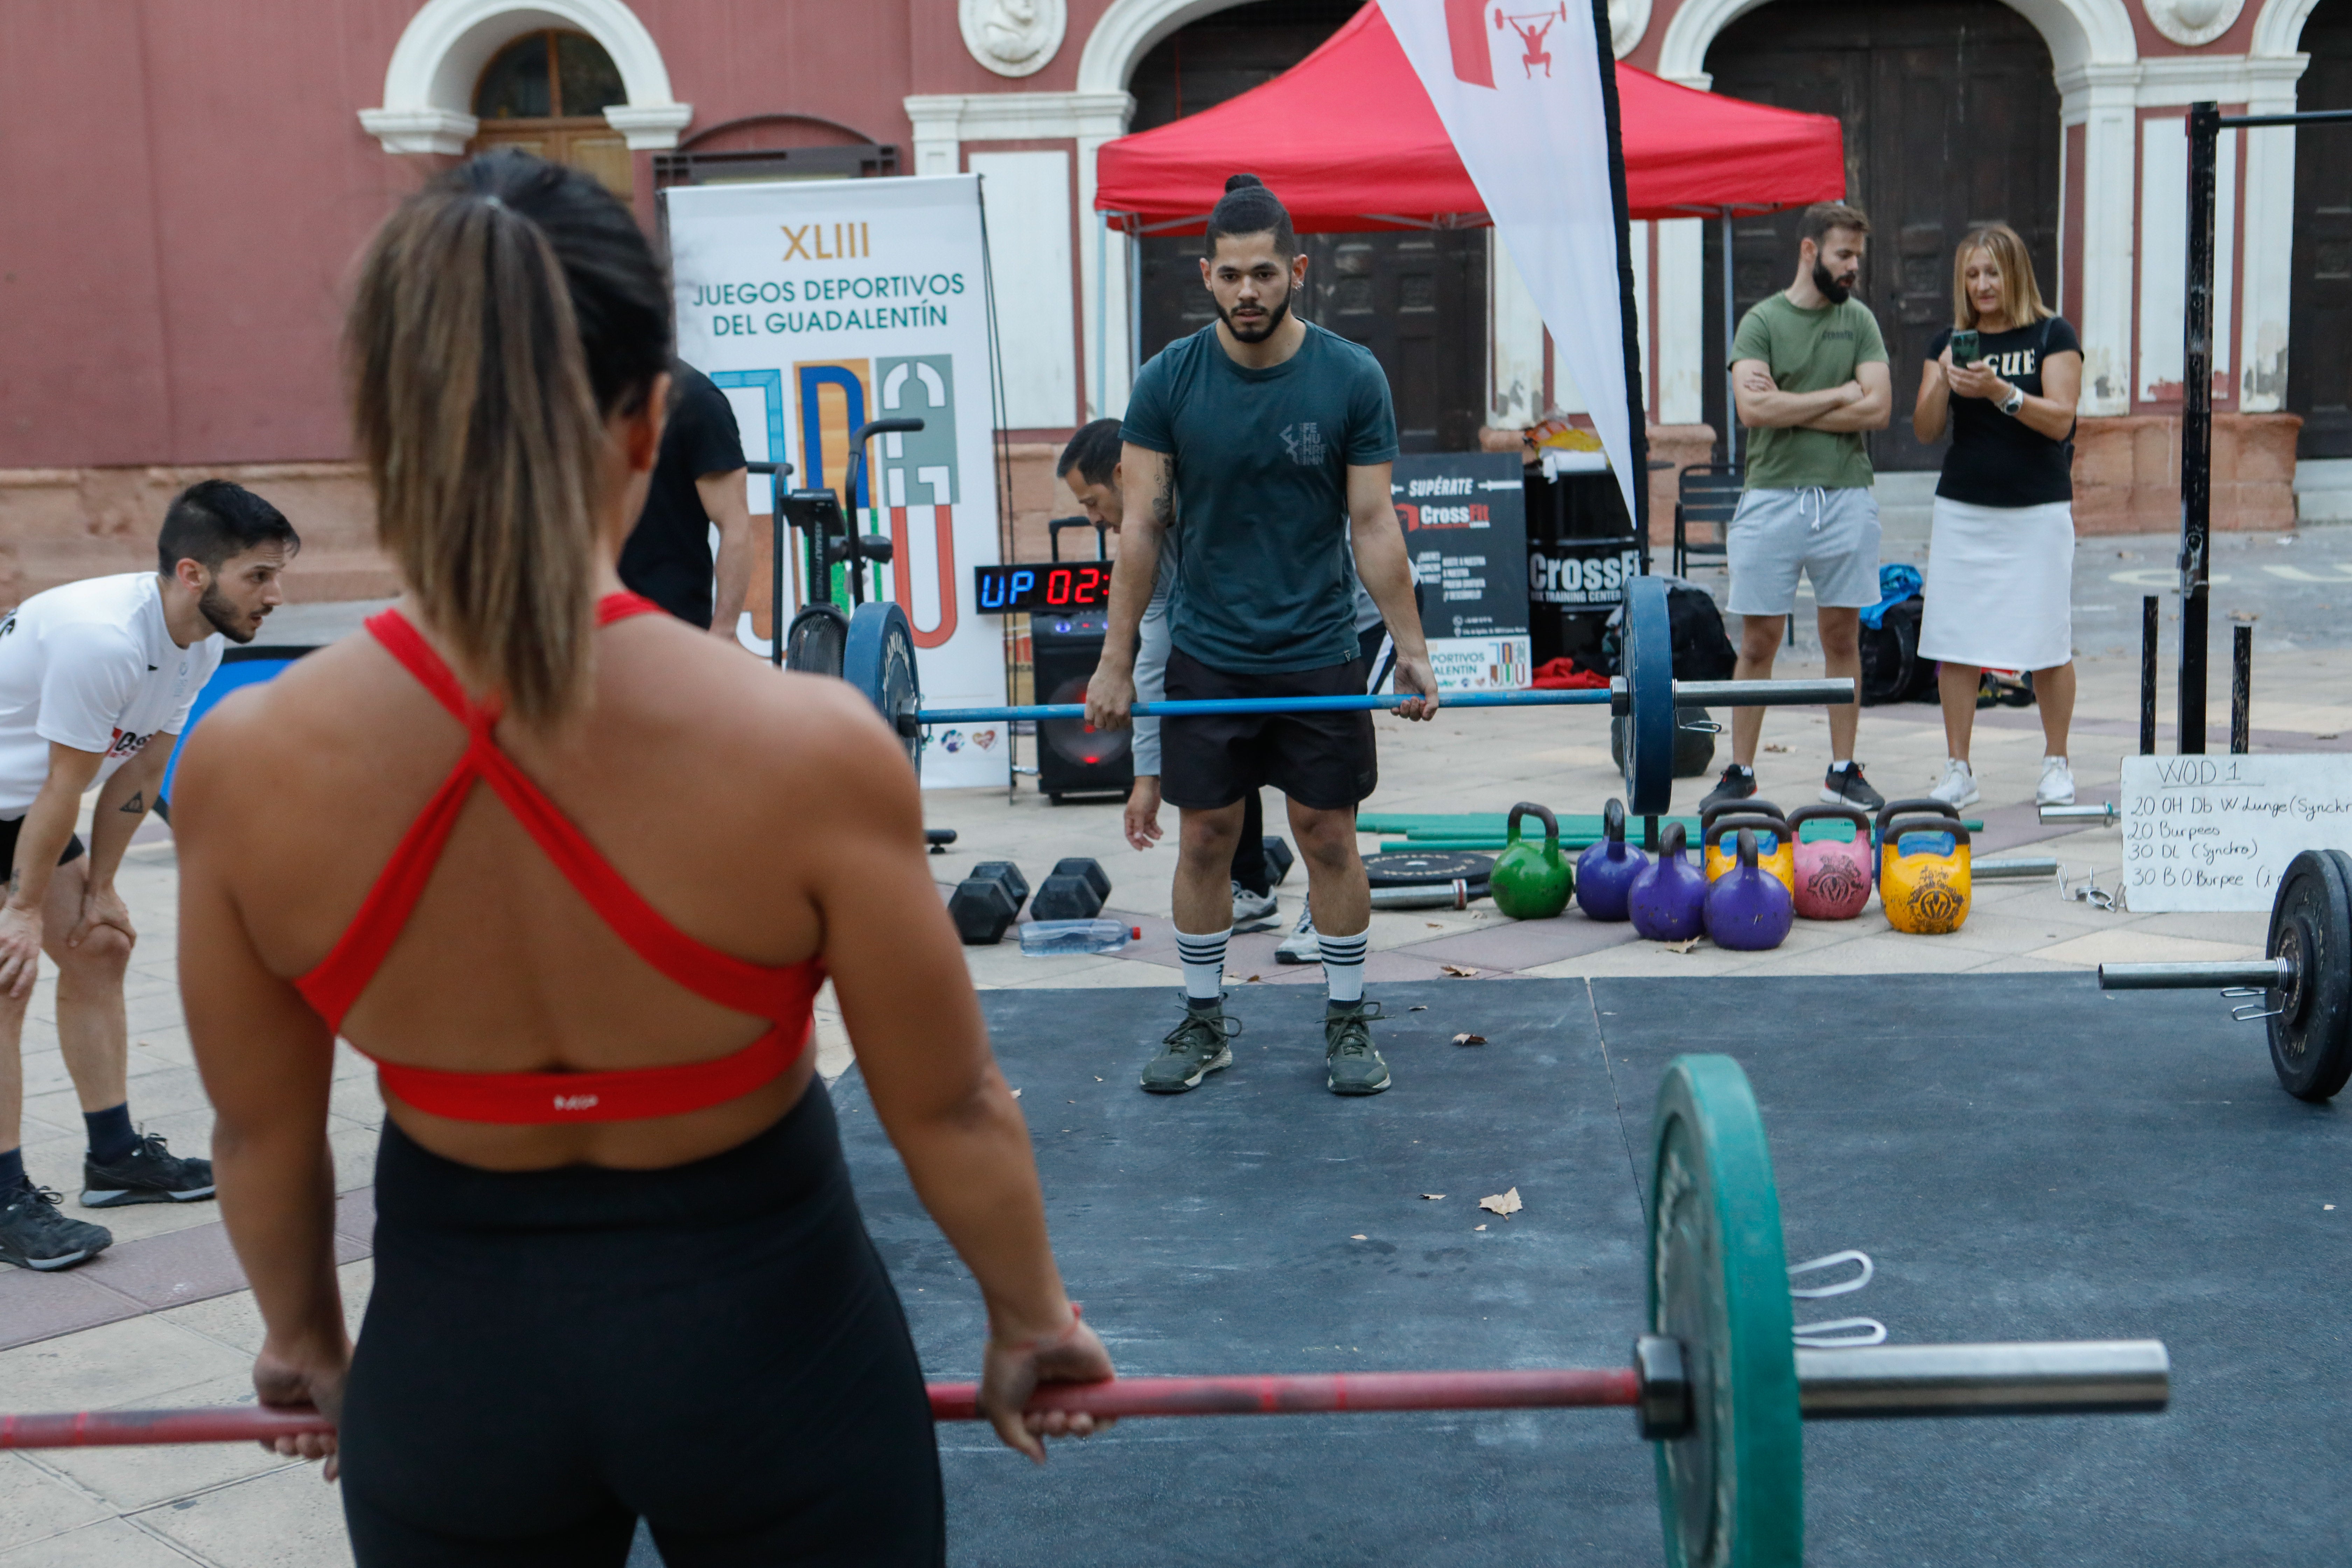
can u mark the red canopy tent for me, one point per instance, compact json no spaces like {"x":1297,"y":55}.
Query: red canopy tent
{"x":1350,"y":141}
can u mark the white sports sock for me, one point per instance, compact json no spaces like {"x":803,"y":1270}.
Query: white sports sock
{"x":1343,"y":963}
{"x":1203,"y":957}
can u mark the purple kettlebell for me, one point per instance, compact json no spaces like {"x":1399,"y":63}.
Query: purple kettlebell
{"x":1605,"y":871}
{"x":1665,"y":900}
{"x":1747,"y":908}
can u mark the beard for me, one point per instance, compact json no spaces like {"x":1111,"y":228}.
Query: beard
{"x":225,"y":617}
{"x":1274,"y":318}
{"x":1837,"y":293}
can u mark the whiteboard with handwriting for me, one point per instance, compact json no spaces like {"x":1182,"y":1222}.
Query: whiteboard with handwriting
{"x":2216,"y":833}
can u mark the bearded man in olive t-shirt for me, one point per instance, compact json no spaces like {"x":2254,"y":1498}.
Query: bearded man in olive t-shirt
{"x":1809,"y":374}
{"x":1270,"y":441}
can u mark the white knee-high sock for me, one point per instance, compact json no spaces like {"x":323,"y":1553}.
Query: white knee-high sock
{"x":1203,"y":957}
{"x":1343,"y":963}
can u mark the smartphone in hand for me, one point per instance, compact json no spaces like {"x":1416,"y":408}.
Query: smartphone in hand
{"x":1966,"y":346}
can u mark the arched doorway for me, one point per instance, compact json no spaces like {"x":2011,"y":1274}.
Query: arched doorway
{"x":1418,"y":301}
{"x":1950,"y":110}
{"x":2319,"y":346}
{"x":546,"y":92}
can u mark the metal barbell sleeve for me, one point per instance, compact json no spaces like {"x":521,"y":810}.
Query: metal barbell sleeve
{"x":2258,"y":974}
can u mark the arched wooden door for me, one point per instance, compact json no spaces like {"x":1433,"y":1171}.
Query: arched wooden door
{"x":546,"y":93}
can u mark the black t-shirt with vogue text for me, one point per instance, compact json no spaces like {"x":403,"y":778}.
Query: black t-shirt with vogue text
{"x":1997,"y":460}
{"x":667,"y":556}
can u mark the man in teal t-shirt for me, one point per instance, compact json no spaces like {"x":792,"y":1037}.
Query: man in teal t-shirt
{"x":1809,"y":374}
{"x":1271,"y":441}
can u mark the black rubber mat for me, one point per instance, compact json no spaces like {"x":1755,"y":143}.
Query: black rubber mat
{"x":2024,"y":1157}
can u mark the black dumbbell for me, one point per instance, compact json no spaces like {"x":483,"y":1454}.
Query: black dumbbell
{"x":986,"y":902}
{"x":1075,"y":891}
{"x":1278,"y":860}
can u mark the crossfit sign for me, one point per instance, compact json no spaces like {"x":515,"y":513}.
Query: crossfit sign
{"x":1465,"y":529}
{"x":819,"y":307}
{"x":1581,"y":573}
{"x":2217,"y":832}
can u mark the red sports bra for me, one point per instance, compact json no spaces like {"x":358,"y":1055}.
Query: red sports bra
{"x":785,"y":996}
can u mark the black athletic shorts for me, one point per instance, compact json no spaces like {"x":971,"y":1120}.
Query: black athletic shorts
{"x":551,"y":1356}
{"x":1325,"y":762}
{"x":12,"y":826}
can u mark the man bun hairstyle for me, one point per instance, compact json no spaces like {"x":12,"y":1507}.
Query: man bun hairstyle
{"x":503,"y":314}
{"x":1248,"y":208}
{"x":1093,"y":452}
{"x":213,"y":521}
{"x":1824,"y":216}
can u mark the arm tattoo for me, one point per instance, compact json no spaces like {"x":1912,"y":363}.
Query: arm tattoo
{"x":136,"y":805}
{"x":1163,"y":505}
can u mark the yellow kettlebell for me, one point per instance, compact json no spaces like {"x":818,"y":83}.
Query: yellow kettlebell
{"x":1923,"y":874}
{"x":1776,"y":849}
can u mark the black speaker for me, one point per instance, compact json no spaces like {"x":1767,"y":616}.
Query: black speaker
{"x":1072,"y":759}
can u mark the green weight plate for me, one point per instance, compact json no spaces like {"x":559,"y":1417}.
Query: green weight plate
{"x":878,"y":659}
{"x":1731,"y":1491}
{"x":2311,"y":922}
{"x":1648,"y":657}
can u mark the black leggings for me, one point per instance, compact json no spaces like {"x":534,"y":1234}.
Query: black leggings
{"x":548,"y":1355}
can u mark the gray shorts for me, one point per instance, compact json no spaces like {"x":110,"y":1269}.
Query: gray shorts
{"x":1831,"y":535}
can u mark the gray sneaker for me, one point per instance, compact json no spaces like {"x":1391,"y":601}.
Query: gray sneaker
{"x":1302,"y":945}
{"x":35,"y":1235}
{"x":1350,"y":1065}
{"x":1249,"y":905}
{"x":1193,"y":1049}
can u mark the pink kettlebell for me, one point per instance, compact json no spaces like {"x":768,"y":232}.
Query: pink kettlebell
{"x":1832,"y":875}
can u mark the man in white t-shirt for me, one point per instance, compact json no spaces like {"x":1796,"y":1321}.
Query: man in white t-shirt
{"x":96,"y":680}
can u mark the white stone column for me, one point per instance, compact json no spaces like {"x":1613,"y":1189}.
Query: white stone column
{"x":2269,"y":278}
{"x":1681,"y":324}
{"x":2101,"y":99}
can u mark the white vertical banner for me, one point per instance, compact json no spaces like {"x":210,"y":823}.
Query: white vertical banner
{"x":1518,"y":86}
{"x":821,"y":306}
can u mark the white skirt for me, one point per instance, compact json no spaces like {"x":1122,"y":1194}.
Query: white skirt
{"x":2001,"y":585}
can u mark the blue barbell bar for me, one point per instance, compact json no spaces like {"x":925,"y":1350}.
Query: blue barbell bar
{"x":1687,"y":693}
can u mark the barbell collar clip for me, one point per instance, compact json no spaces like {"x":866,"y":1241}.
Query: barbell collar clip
{"x":1664,"y":1410}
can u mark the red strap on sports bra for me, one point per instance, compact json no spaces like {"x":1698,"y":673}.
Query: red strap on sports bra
{"x":784,"y":994}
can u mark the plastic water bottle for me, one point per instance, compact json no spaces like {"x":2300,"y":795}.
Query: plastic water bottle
{"x":1045,"y":939}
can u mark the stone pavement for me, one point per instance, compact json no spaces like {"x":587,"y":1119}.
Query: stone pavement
{"x":163,"y":1317}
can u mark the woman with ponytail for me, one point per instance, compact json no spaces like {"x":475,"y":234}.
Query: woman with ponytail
{"x":571,"y":874}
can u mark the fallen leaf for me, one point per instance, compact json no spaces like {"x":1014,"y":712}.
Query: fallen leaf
{"x":1424,"y":1006}
{"x":1502,"y":1203}
{"x":1460,"y":970}
{"x":1251,"y":980}
{"x":1774,"y":746}
{"x":1432,"y":1197}
{"x":1682,"y":946}
{"x":1017,"y":1094}
{"x":1356,"y":1238}
{"x":1477,"y":1227}
{"x":1432,"y":925}
{"x":1469,"y":1039}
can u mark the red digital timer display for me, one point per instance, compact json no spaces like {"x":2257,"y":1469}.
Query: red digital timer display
{"x":1044,"y":586}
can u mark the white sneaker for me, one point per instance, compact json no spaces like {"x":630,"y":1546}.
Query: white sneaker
{"x":2057,"y":785}
{"x":1302,"y":945}
{"x":1249,"y":906}
{"x":1958,"y":787}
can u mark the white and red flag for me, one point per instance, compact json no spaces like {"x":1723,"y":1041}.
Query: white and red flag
{"x":1520,"y":86}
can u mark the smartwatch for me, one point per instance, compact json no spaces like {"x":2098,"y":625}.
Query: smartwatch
{"x":2015,"y":400}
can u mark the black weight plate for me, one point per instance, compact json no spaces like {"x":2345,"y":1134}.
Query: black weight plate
{"x":1648,"y":660}
{"x":814,"y":642}
{"x":2311,"y":922}
{"x":878,"y":659}
{"x":1413,"y":868}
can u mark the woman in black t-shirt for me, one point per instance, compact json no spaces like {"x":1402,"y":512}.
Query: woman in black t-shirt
{"x":2001,"y":560}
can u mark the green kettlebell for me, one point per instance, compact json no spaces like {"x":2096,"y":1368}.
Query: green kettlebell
{"x":1528,"y":883}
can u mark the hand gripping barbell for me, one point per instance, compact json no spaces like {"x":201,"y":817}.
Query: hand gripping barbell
{"x":878,"y":659}
{"x":2305,"y":987}
{"x":1718,"y":1381}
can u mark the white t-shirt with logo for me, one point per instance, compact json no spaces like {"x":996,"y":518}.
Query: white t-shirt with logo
{"x":91,"y":666}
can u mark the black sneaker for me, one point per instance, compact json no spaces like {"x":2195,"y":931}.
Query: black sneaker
{"x":1193,"y":1049}
{"x":35,"y":1235}
{"x":1736,"y":783}
{"x":1350,"y":1065}
{"x":1844,"y":785}
{"x":149,"y":1173}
